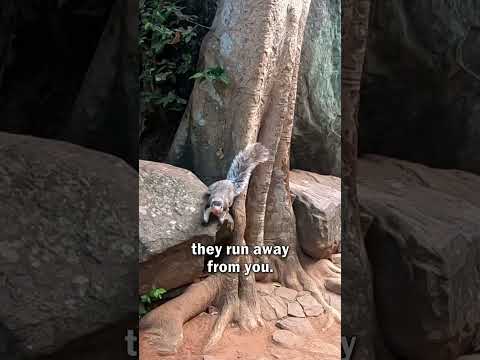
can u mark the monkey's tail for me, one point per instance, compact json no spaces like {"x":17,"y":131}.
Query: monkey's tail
{"x":244,"y":163}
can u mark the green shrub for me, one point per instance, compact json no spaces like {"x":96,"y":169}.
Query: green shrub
{"x":150,"y":299}
{"x":167,"y":38}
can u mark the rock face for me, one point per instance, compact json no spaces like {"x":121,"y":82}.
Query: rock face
{"x":7,"y":345}
{"x":68,"y":243}
{"x":470,"y":357}
{"x":422,"y":71}
{"x":316,"y":140}
{"x":424,"y":246}
{"x":317,"y":208}
{"x":171,"y":203}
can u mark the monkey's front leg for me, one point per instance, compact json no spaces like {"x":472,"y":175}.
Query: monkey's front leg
{"x":206,"y":215}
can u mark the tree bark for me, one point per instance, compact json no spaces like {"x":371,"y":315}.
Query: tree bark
{"x":357,"y":292}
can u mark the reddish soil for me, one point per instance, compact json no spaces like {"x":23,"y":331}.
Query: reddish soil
{"x":257,"y":345}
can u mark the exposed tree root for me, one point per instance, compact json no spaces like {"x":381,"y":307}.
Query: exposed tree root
{"x":234,"y":294}
{"x":238,"y":304}
{"x":264,"y":113}
{"x":325,"y":268}
{"x":334,"y":268}
{"x":238,"y":296}
{"x":290,"y":273}
{"x":163,"y":326}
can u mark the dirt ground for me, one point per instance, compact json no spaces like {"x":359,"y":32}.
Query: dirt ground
{"x":256,"y":345}
{"x":323,"y":343}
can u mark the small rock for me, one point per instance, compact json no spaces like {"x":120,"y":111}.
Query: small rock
{"x":299,"y":326}
{"x":307,"y":300}
{"x":314,"y":311}
{"x":278,"y":306}
{"x":334,"y":285}
{"x":268,"y":313}
{"x":310,"y":306}
{"x":286,"y":293}
{"x":265,"y":288}
{"x":287,"y":339}
{"x":337,"y":259}
{"x":294,"y":309}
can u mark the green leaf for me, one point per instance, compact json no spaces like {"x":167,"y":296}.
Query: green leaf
{"x":197,"y":75}
{"x":162,"y":76}
{"x":181,"y":101}
{"x":167,"y":40}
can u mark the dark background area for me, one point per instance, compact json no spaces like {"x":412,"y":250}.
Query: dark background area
{"x":160,"y":123}
{"x":69,"y":71}
{"x":61,"y":79}
{"x":421,"y":85}
{"x":419,"y":102}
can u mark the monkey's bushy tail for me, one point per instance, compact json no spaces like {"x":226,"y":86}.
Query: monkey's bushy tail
{"x":244,"y":163}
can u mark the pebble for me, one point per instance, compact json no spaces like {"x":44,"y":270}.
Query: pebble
{"x":287,"y":339}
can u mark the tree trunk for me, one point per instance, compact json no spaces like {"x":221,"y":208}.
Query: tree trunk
{"x":357,"y":292}
{"x":258,"y":44}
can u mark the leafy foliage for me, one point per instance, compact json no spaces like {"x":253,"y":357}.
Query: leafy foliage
{"x":148,"y":300}
{"x":166,"y":38}
{"x":211,"y":74}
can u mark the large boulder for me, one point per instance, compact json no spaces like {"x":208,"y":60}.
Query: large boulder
{"x":316,"y":141}
{"x":421,"y":83}
{"x":317,"y":207}
{"x":171,"y":203}
{"x":68,"y":257}
{"x":423,"y":240}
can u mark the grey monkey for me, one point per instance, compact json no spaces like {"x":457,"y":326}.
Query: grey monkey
{"x":222,"y":193}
